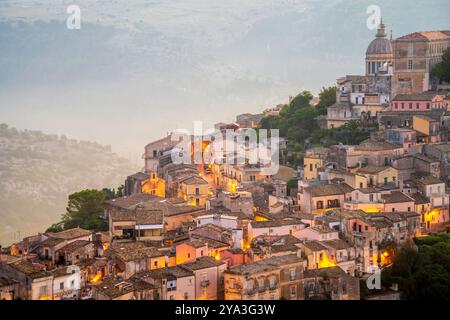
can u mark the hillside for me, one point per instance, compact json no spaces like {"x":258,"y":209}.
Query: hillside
{"x":38,"y":171}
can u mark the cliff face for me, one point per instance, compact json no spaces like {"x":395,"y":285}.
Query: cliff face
{"x":38,"y":171}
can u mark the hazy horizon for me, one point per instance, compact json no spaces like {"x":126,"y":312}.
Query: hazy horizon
{"x":137,"y":70}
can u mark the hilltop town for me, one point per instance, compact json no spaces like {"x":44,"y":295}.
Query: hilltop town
{"x":320,"y":228}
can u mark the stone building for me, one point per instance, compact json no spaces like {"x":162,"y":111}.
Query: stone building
{"x":415,"y":55}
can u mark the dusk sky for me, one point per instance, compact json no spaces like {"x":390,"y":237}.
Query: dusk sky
{"x":137,"y":69}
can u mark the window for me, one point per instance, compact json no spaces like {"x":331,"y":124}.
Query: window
{"x":394,"y":178}
{"x":319,"y":205}
{"x":293,"y":291}
{"x":428,"y":106}
{"x":409,"y":209}
{"x":360,"y":185}
{"x":155,"y":153}
{"x":410,"y":64}
{"x":61,"y":286}
{"x":417,"y":106}
{"x":201,"y":253}
{"x":43,"y":291}
{"x":197,"y":202}
{"x":385,"y":180}
{"x":155,"y":264}
{"x":310,"y":167}
{"x":197,"y":191}
{"x":272,"y":283}
{"x":371,"y":197}
{"x":293,"y":275}
{"x":261,"y":284}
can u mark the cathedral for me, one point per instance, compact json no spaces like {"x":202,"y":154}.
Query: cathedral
{"x":392,"y":67}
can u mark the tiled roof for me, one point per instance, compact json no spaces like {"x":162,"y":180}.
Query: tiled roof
{"x":73,"y":246}
{"x":423,"y":96}
{"x":193,"y":180}
{"x":314,"y":246}
{"x":419,"y":198}
{"x":139,"y":216}
{"x":328,"y":189}
{"x":70,"y":234}
{"x":131,"y":201}
{"x":428,"y":180}
{"x":396,"y":197}
{"x":264,"y":265}
{"x":427,"y":35}
{"x":29,"y":269}
{"x":374,"y":145}
{"x":202,"y":263}
{"x":373,"y":169}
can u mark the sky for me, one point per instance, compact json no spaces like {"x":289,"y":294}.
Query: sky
{"x":140,"y":68}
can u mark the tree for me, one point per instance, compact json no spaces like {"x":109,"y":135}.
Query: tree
{"x":301,"y":100}
{"x":327,"y":97}
{"x":422,"y":274}
{"x":56,"y":227}
{"x":441,"y":70}
{"x":84,"y":209}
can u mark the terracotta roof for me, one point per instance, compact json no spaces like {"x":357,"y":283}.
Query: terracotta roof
{"x":29,"y":269}
{"x":51,"y":242}
{"x":423,"y":96}
{"x":174,"y":272}
{"x":136,"y":254}
{"x":419,"y":198}
{"x":139,"y":216}
{"x":373,"y":145}
{"x":428,"y":180}
{"x":202,"y":263}
{"x":328,"y":189}
{"x":276,"y":223}
{"x":337,"y":244}
{"x":396,"y":197}
{"x":330,"y":272}
{"x":314,"y":245}
{"x":193,"y":180}
{"x":373,"y":169}
{"x":70,"y":234}
{"x":129,"y":202}
{"x":427,"y":35}
{"x":264,"y":265}
{"x":73,"y":246}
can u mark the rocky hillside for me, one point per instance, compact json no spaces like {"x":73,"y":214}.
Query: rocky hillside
{"x":38,"y":171}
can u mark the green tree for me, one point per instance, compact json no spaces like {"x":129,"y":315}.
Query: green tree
{"x":441,"y":70}
{"x":422,"y":274}
{"x":327,"y":97}
{"x":302,"y":100}
{"x":84,"y":210}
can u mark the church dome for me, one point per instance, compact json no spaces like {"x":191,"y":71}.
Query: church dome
{"x":380,"y":45}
